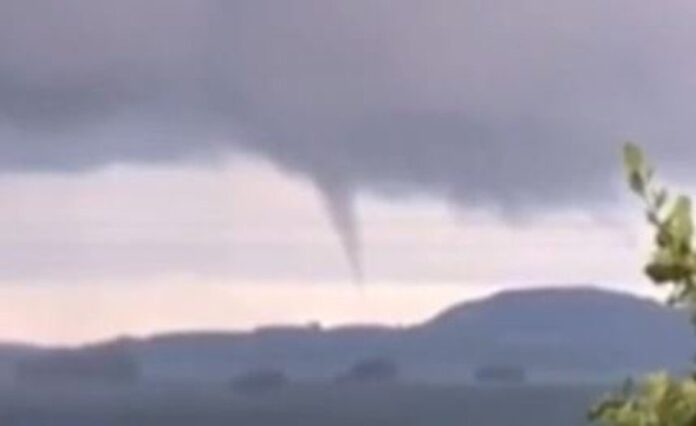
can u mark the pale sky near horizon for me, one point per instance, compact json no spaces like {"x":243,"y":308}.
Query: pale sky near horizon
{"x":132,"y":250}
{"x":208,"y":164}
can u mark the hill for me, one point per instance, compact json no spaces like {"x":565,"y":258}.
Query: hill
{"x":559,"y":334}
{"x":583,"y":330}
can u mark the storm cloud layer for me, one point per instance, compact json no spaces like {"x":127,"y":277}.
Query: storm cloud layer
{"x":516,"y":104}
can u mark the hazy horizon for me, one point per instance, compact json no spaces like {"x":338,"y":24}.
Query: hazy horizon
{"x":232,"y":164}
{"x":389,"y":305}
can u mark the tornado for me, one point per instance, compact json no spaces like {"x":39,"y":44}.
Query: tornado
{"x":339,"y":200}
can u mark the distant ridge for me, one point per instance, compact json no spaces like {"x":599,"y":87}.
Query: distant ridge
{"x":580,"y":294}
{"x":551,"y":332}
{"x":534,"y":306}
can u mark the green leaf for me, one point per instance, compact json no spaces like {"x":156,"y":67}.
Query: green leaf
{"x":634,"y":161}
{"x":637,"y":183}
{"x":679,"y":220}
{"x":639,"y":174}
{"x":661,"y":197}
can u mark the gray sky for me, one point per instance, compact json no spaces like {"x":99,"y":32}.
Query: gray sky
{"x":461,"y":97}
{"x":221,"y":141}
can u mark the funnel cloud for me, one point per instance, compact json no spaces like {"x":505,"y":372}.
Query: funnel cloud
{"x":341,"y":209}
{"x":494,"y":104}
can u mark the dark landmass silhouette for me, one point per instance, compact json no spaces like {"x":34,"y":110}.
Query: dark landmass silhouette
{"x":552,"y":333}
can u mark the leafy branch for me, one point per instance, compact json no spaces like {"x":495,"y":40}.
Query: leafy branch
{"x":673,"y":261}
{"x":659,"y":400}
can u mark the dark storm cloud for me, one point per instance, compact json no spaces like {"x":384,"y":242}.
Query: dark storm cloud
{"x":498,"y":101}
{"x":521,"y":104}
